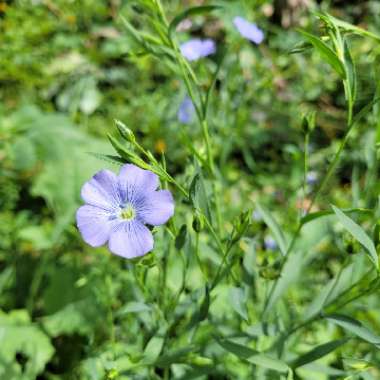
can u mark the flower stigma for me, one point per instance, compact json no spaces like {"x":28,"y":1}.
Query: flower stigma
{"x":128,"y":212}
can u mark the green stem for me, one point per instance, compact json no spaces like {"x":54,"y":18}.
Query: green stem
{"x":321,"y":187}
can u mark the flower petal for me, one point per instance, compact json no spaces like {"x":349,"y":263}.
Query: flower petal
{"x":95,"y":224}
{"x":134,"y":181}
{"x":130,"y":239}
{"x":186,"y":111}
{"x":249,"y":30}
{"x":156,"y":208}
{"x":102,"y":190}
{"x":197,"y":48}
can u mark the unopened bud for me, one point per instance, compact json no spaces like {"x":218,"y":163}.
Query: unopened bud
{"x":308,"y":122}
{"x":198,"y":223}
{"x":125,"y":131}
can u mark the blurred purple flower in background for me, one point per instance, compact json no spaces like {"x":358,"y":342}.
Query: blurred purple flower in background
{"x":118,"y":207}
{"x":186,"y":111}
{"x":312,"y":177}
{"x":197,"y":48}
{"x":270,"y":243}
{"x":249,"y":30}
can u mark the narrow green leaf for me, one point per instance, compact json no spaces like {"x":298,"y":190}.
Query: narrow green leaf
{"x":153,"y":349}
{"x":237,"y":349}
{"x":274,"y":227}
{"x":198,"y":196}
{"x":201,"y":313}
{"x":320,"y":214}
{"x":364,"y":111}
{"x":268,"y":362}
{"x":355,"y":327}
{"x":252,"y":356}
{"x":238,"y":302}
{"x":347,"y":26}
{"x":134,"y":307}
{"x":318,"y":352}
{"x":180,"y":239}
{"x":326,"y":52}
{"x":359,"y":234}
{"x":108,"y":158}
{"x":178,"y":355}
{"x":351,"y":72}
{"x":191,"y":12}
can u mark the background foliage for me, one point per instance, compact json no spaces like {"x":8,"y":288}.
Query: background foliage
{"x":67,"y":311}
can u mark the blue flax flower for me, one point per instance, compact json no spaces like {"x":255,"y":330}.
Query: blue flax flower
{"x":119,"y":206}
{"x":270,"y":243}
{"x":197,"y":48}
{"x":186,"y":111}
{"x":249,"y":30}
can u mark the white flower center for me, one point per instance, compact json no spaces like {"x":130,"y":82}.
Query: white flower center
{"x":128,"y":212}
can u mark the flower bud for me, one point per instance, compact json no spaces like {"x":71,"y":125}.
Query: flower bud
{"x":198,"y":223}
{"x":125,"y":132}
{"x":308,"y":122}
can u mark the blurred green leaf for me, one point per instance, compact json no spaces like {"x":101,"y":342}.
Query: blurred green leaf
{"x":355,"y":327}
{"x":274,"y":227}
{"x":198,"y":196}
{"x":238,"y":302}
{"x":318,"y":352}
{"x":326,"y":52}
{"x":20,"y":336}
{"x":204,"y":9}
{"x":359,"y":234}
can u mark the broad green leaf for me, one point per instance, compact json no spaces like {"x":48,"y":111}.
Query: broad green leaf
{"x":318,"y":352}
{"x":79,"y":317}
{"x":274,"y":227}
{"x":18,"y":335}
{"x":189,"y":13}
{"x":326,"y":52}
{"x":355,"y":327}
{"x":238,"y":302}
{"x":358,"y":233}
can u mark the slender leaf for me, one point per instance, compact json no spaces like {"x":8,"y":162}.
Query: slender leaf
{"x":318,"y":352}
{"x":243,"y":352}
{"x":108,"y":158}
{"x":355,"y":327}
{"x":253,"y":356}
{"x":326,"y":52}
{"x":134,"y":307}
{"x":198,"y":196}
{"x":347,"y":26}
{"x":274,"y":227}
{"x":189,"y":13}
{"x":351,"y":72}
{"x":320,"y":214}
{"x":359,"y":234}
{"x":238,"y":302}
{"x":267,"y":362}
